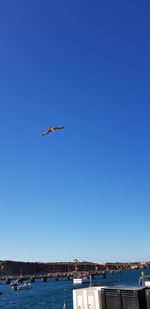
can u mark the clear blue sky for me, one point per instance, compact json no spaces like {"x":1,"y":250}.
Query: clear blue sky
{"x":83,"y":192}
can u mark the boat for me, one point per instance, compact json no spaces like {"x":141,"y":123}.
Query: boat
{"x":119,"y":296}
{"x":24,"y":286}
{"x":17,"y":286}
{"x":77,"y":280}
{"x":81,"y":279}
{"x":112,"y":295}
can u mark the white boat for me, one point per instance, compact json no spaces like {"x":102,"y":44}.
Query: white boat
{"x":81,"y":279}
{"x":24,"y":286}
{"x":77,"y":280}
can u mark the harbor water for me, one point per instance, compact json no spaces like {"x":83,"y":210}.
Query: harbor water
{"x":51,"y":294}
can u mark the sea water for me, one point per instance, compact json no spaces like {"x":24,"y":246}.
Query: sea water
{"x":51,"y":294}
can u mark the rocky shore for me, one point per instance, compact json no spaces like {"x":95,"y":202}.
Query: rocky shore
{"x":10,"y":268}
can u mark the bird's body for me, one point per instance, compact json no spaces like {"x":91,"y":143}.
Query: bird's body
{"x":51,"y":130}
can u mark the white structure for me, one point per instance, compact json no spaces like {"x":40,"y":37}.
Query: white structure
{"x":88,"y":298}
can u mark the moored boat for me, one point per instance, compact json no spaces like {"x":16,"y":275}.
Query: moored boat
{"x":18,"y":286}
{"x":24,"y":286}
{"x":81,"y":279}
{"x":77,"y":280}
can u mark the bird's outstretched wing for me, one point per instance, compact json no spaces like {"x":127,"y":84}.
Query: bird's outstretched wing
{"x":57,"y":128}
{"x":46,"y":132}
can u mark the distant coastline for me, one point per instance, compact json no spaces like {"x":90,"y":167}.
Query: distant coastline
{"x":10,"y":268}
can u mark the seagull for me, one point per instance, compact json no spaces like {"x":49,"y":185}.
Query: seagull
{"x":52,"y":130}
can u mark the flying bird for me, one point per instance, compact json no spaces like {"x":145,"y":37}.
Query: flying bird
{"x":51,"y":130}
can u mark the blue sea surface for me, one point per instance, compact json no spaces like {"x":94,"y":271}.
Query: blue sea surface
{"x":50,"y":294}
